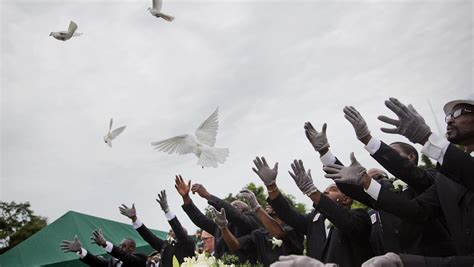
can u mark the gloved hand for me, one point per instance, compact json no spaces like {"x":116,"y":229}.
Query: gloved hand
{"x":220,"y":218}
{"x":98,"y":238}
{"x":162,"y":200}
{"x":409,"y":124}
{"x":267,"y":175}
{"x":357,"y":121}
{"x":298,"y":260}
{"x":303,"y":180}
{"x":319,"y":140}
{"x":129,"y":212}
{"x":250,"y":198}
{"x":71,"y":246}
{"x":388,"y":260}
{"x":350,"y":175}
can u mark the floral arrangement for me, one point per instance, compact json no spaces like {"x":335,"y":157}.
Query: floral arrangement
{"x":204,"y":261}
{"x":276,"y":242}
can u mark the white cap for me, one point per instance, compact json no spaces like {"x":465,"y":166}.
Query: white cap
{"x":448,"y":108}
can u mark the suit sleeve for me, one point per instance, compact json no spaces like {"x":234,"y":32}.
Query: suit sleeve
{"x":199,"y":219}
{"x":155,"y":242}
{"x":355,"y":223}
{"x":402,"y":168}
{"x":459,"y":166}
{"x":94,"y":261}
{"x":181,"y":235}
{"x":242,"y":221}
{"x":355,"y":192}
{"x":127,"y":258}
{"x":421,"y":209}
{"x":289,"y":215}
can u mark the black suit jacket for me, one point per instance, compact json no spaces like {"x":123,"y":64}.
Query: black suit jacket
{"x":183,"y":247}
{"x":430,"y":238}
{"x":458,"y":166}
{"x":208,"y":225}
{"x":127,"y":259}
{"x":444,"y":197}
{"x":347,"y":243}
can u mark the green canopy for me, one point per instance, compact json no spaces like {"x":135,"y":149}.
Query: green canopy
{"x":42,"y":248}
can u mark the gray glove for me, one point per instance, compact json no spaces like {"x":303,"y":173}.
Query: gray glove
{"x":357,"y":121}
{"x":318,"y":140}
{"x":409,"y":124}
{"x":98,"y":238}
{"x":71,"y":246}
{"x":350,"y":175}
{"x":129,"y":212}
{"x":250,"y":198}
{"x":220,"y":218}
{"x":299,"y":260}
{"x":162,"y":200}
{"x":303,"y":180}
{"x":267,"y":175}
{"x":388,"y":260}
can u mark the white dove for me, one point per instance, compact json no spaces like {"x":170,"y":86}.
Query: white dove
{"x":202,"y":145}
{"x":111,"y":135}
{"x":156,"y":11}
{"x":66,"y":35}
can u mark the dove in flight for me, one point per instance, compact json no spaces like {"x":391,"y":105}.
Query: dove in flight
{"x":156,"y":11}
{"x":66,"y":35}
{"x":111,"y":135}
{"x":201,"y":145}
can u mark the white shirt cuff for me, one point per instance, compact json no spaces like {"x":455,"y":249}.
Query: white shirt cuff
{"x":328,"y":158}
{"x":374,"y":189}
{"x":82,"y":253}
{"x":109,"y":246}
{"x":435,"y":147}
{"x":169,"y":215}
{"x":137,"y":224}
{"x":373,"y":145}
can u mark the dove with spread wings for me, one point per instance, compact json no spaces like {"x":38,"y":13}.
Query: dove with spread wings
{"x":201,"y":145}
{"x":66,"y":35}
{"x":111,"y":135}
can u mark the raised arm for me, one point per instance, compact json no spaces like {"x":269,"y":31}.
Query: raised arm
{"x":220,"y":219}
{"x":155,"y":242}
{"x":268,"y":222}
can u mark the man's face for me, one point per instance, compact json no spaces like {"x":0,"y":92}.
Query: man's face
{"x":127,"y":246}
{"x":207,"y":242}
{"x":334,"y":193}
{"x":172,"y":234}
{"x":460,"y":130}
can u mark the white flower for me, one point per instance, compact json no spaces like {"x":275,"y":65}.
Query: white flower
{"x":399,"y":185}
{"x":276,"y":242}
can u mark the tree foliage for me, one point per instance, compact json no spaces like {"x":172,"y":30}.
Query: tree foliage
{"x":17,"y":223}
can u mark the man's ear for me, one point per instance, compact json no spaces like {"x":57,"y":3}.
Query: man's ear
{"x":411,"y":157}
{"x":346,"y":201}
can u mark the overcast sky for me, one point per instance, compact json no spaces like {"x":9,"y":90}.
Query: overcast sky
{"x":269,"y":66}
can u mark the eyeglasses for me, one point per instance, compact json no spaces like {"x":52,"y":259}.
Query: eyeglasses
{"x":457,"y":113}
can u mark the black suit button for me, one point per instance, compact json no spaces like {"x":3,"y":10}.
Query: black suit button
{"x":468,"y":231}
{"x":396,"y":231}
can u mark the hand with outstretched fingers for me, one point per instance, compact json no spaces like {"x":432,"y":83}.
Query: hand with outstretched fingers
{"x":71,"y":246}
{"x":303,"y":179}
{"x":250,"y":198}
{"x":220,"y":218}
{"x":129,"y":212}
{"x":319,"y":140}
{"x":98,"y":238}
{"x":163,"y":201}
{"x":182,"y":188}
{"x":352,"y":174}
{"x":358,"y":123}
{"x":267,"y":175}
{"x":409,"y":124}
